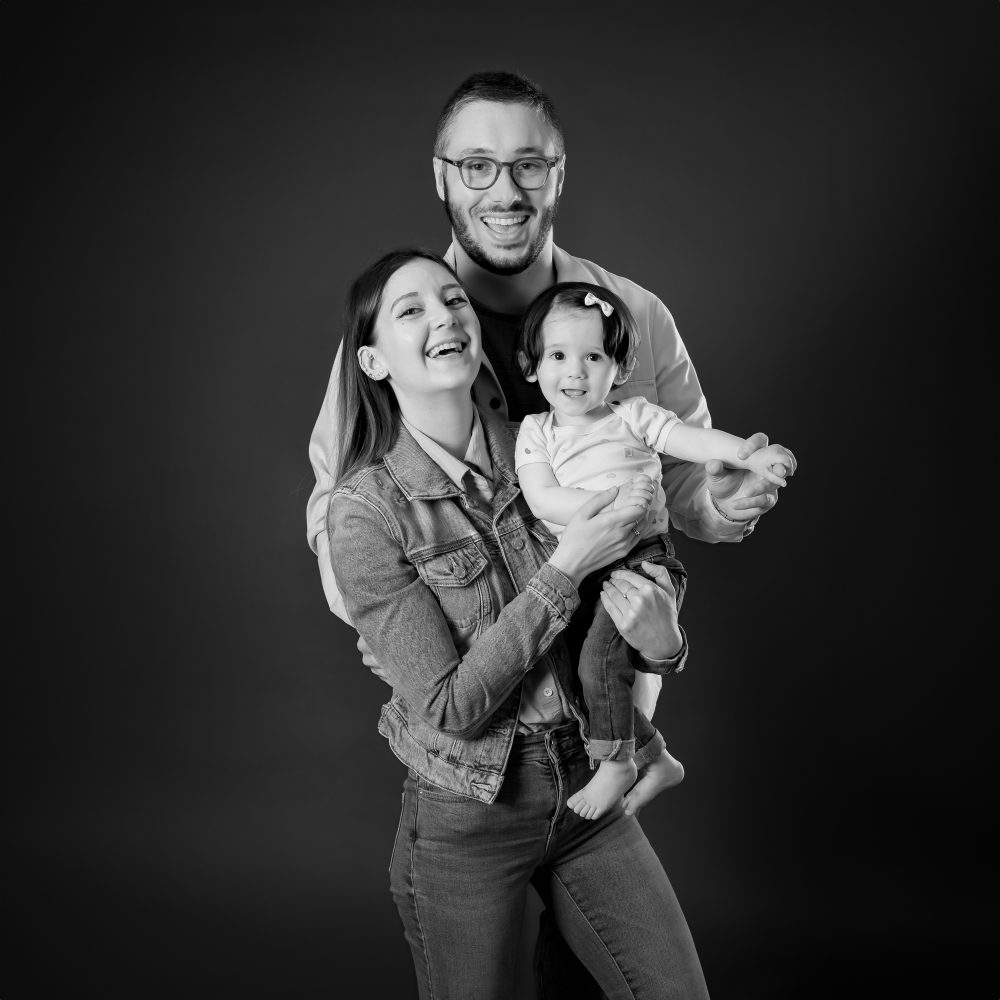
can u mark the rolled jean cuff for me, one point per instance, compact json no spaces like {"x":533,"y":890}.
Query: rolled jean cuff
{"x":614,"y":750}
{"x":650,"y":750}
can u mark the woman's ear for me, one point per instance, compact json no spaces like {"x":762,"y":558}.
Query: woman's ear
{"x":370,"y":363}
{"x":522,"y":360}
{"x":625,"y":372}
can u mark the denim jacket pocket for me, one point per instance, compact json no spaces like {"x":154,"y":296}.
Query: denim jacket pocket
{"x":458,"y":579}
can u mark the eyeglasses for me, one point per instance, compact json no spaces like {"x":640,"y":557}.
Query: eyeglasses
{"x":529,"y":173}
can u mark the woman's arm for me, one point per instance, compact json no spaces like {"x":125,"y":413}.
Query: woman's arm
{"x":402,"y":621}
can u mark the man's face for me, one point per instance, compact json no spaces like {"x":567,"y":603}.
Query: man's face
{"x":502,"y":229}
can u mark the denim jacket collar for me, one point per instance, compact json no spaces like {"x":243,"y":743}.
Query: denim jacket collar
{"x":418,"y":476}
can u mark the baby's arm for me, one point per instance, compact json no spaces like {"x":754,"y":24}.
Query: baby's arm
{"x":546,"y":498}
{"x":700,"y":444}
{"x":552,"y":502}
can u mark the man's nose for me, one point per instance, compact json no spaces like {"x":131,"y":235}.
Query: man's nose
{"x":504,"y":189}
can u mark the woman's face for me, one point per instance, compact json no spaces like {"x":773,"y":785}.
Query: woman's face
{"x":426,"y":333}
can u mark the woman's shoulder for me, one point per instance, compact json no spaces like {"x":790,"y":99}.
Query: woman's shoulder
{"x":368,"y":480}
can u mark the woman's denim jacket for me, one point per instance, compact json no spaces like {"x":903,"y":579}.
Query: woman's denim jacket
{"x":456,"y":603}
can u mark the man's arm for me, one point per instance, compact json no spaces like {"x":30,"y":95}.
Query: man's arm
{"x":323,"y":454}
{"x":740,"y":497}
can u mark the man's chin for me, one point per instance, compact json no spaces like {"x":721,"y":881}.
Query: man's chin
{"x":508,"y":264}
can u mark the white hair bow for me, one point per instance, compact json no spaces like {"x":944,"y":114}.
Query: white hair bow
{"x":590,"y":299}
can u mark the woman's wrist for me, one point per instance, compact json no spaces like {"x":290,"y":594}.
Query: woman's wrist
{"x":566,"y":565}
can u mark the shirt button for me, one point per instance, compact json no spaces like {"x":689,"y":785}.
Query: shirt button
{"x":547,"y":692}
{"x":494,"y":403}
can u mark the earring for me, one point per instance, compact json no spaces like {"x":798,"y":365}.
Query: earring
{"x":372,"y":368}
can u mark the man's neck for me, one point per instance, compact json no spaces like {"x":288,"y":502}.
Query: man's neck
{"x":505,"y":293}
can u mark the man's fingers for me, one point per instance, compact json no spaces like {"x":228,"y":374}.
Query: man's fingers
{"x":752,"y":443}
{"x":611,"y":608}
{"x":659,"y":573}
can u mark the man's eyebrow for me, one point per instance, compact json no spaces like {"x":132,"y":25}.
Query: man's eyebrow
{"x":484,"y":151}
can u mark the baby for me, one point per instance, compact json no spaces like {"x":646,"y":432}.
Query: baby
{"x":578,"y":341}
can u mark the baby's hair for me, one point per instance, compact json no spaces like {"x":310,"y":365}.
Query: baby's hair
{"x":621,"y":338}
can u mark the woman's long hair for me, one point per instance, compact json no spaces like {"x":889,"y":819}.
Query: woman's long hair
{"x":367,"y":411}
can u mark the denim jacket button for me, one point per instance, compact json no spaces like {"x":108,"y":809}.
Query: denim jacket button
{"x":518,"y":543}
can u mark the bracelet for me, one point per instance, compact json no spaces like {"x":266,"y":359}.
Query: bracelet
{"x":747,"y":526}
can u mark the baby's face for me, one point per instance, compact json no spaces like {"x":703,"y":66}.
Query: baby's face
{"x":575,"y":374}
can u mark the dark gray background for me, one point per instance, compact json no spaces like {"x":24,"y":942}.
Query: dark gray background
{"x":198,"y":802}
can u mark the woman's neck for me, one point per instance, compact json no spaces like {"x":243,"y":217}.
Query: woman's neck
{"x":445,"y":419}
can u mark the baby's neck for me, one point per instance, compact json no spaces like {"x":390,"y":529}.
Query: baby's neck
{"x":581,"y":419}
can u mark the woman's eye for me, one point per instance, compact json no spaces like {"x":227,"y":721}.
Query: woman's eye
{"x":409,"y":311}
{"x":456,"y":300}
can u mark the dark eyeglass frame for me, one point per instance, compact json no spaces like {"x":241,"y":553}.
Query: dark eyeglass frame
{"x":549,"y":162}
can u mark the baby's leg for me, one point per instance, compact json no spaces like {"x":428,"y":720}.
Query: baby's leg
{"x":606,"y":678}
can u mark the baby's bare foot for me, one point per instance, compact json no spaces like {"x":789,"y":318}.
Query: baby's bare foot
{"x":605,"y":789}
{"x":661,"y":774}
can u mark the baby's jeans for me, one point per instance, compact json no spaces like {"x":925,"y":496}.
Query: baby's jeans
{"x":607,"y":663}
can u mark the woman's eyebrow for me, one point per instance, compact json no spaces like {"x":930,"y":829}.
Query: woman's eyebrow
{"x":408,"y":295}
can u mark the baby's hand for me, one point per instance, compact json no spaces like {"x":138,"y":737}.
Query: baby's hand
{"x":774,"y":463}
{"x":636,"y":492}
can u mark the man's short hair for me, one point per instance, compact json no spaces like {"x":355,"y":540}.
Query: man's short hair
{"x":501,"y":88}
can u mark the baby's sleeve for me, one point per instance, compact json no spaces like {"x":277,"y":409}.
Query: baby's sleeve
{"x":648,"y":421}
{"x":531,"y":446}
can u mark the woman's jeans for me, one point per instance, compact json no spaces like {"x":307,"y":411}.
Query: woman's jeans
{"x":460,"y":872}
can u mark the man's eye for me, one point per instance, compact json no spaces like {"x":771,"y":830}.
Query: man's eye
{"x":477,"y":166}
{"x":529,"y":168}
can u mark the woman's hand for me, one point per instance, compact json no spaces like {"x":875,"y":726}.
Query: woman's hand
{"x":597,"y":535}
{"x":645,"y":611}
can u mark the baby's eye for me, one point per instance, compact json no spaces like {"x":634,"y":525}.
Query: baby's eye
{"x":594,"y":356}
{"x":557,"y":355}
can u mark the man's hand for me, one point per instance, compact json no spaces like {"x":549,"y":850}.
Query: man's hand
{"x":369,"y":660}
{"x":743,"y":495}
{"x":645,"y":611}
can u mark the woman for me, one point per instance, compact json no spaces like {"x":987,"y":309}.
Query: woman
{"x":462,"y":596}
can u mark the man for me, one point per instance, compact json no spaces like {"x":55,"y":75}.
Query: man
{"x":499,"y":168}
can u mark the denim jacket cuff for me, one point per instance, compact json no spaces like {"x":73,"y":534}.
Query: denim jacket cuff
{"x":555,"y":588}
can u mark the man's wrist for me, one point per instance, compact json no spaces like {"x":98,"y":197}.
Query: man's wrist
{"x":670,"y":664}
{"x":747,"y":525}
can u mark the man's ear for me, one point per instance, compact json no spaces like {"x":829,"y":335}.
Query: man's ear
{"x":522,"y":360}
{"x":625,"y":372}
{"x":439,"y":168}
{"x":561,"y":167}
{"x":371,"y":363}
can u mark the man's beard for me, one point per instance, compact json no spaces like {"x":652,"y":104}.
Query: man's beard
{"x":477,"y":254}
